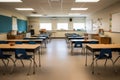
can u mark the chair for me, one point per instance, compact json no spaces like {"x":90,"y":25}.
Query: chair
{"x":18,"y":42}
{"x":104,"y":54}
{"x":32,"y":42}
{"x":21,"y":55}
{"x":5,"y":57}
{"x":3,"y":42}
{"x":77,"y":45}
{"x":93,"y":42}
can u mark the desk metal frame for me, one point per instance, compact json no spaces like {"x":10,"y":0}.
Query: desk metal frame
{"x":29,"y":47}
{"x":97,"y":47}
{"x":80,"y":40}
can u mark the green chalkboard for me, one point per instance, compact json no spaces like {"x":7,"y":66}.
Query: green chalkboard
{"x":22,"y":25}
{"x":5,"y":24}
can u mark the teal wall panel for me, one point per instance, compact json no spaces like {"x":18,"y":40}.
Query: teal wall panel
{"x":5,"y":24}
{"x":22,"y":25}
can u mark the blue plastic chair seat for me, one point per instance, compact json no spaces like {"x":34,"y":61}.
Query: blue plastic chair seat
{"x":24,"y":57}
{"x":78,"y":44}
{"x":103,"y":57}
{"x":5,"y":56}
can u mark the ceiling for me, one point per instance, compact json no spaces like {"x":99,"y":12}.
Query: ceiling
{"x":56,"y":8}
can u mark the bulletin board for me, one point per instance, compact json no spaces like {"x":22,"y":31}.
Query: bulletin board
{"x":115,"y":22}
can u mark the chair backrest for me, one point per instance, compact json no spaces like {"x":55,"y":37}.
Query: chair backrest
{"x":19,"y":52}
{"x":93,"y":42}
{"x":32,"y":42}
{"x":18,"y":42}
{"x":1,"y":53}
{"x":78,"y":44}
{"x":105,"y":53}
{"x":3,"y":42}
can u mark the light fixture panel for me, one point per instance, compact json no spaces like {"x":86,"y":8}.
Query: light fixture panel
{"x":79,"y":8}
{"x":24,"y":9}
{"x":10,"y":1}
{"x":87,"y":0}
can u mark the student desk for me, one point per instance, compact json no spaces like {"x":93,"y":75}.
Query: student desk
{"x":40,"y":41}
{"x":31,"y":48}
{"x":69,"y":38}
{"x":81,"y":40}
{"x":32,"y":38}
{"x":97,"y":47}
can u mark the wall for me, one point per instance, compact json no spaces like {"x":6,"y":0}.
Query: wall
{"x":3,"y":36}
{"x":105,"y":16}
{"x":35,"y":23}
{"x":10,"y":14}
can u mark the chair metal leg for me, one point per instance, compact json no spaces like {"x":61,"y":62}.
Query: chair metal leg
{"x":2,"y":71}
{"x":13,"y":61}
{"x":29,"y":67}
{"x":113,"y":65}
{"x":71,"y":49}
{"x":105,"y":62}
{"x":96,"y":62}
{"x":22,"y":62}
{"x":7,"y":62}
{"x":14,"y":65}
{"x":116,"y":59}
{"x":34,"y":62}
{"x":4,"y":65}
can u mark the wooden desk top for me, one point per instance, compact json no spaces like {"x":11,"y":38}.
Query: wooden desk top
{"x":21,"y":46}
{"x":100,"y":46}
{"x":23,"y":40}
{"x":75,"y":37}
{"x":35,"y":37}
{"x":83,"y":40}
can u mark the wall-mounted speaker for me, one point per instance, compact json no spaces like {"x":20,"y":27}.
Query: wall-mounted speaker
{"x":70,"y":19}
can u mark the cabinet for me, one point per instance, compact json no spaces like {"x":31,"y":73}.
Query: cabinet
{"x":103,"y":40}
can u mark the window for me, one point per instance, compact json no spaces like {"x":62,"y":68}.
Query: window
{"x":47,"y":26}
{"x":79,"y":26}
{"x":62,"y":26}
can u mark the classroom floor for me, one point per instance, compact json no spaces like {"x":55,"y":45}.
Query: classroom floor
{"x":58,"y":64}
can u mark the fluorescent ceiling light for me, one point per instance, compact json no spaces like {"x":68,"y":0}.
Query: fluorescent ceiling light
{"x":36,"y":15}
{"x":79,"y":8}
{"x":25,"y":9}
{"x":10,"y":1}
{"x":87,"y":0}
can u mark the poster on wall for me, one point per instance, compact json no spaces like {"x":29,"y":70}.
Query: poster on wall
{"x":14,"y":23}
{"x":115,"y":22}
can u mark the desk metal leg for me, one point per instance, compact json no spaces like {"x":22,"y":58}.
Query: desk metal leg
{"x":34,"y":63}
{"x":93,"y":63}
{"x":86,"y":57}
{"x":71,"y":48}
{"x":39,"y":57}
{"x":45,"y":43}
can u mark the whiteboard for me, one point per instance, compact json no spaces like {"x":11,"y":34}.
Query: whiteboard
{"x":116,"y":22}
